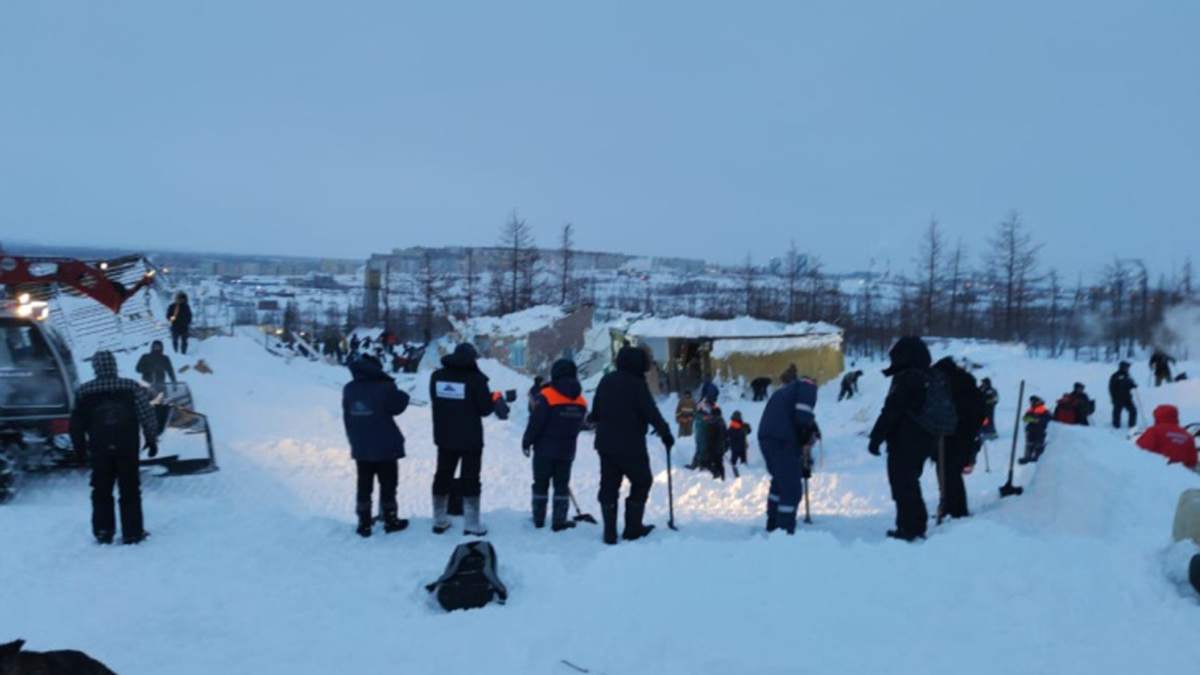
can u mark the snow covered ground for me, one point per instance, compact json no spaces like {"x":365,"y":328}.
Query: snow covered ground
{"x":256,"y":569}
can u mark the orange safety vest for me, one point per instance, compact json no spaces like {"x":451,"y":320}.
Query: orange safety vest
{"x":735,"y":425}
{"x":554,"y":397}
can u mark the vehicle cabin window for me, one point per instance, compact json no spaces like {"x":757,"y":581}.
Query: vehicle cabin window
{"x":21,"y":346}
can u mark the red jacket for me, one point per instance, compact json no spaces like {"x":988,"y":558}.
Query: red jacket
{"x":1169,"y":439}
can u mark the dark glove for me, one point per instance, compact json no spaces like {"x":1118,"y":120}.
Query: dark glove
{"x":152,"y":449}
{"x":668,"y":441}
{"x":527,"y":450}
{"x":501,"y":410}
{"x":873,"y":448}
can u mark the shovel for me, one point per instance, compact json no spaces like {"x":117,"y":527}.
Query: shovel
{"x":581,"y":517}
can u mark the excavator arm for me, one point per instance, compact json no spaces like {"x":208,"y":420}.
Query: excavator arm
{"x":83,"y":277}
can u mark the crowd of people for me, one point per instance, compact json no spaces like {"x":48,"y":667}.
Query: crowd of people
{"x":933,"y":412}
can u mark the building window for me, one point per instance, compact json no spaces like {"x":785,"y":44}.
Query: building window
{"x":516,"y":355}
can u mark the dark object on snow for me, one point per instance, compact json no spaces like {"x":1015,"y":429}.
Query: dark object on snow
{"x":1194,"y":572}
{"x":580,"y":516}
{"x":470,"y":580}
{"x":1008,"y":489}
{"x":15,"y":661}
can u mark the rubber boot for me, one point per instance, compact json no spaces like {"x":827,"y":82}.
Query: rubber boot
{"x":441,"y":514}
{"x":472,"y":527}
{"x":634,"y":529}
{"x":391,"y":523}
{"x":609,"y":512}
{"x":772,"y":513}
{"x":562,"y":506}
{"x":539,"y":510}
{"x":365,"y":524}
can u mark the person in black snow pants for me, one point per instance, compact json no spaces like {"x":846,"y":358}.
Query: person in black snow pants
{"x":1160,"y":364}
{"x":460,"y":398}
{"x":155,"y":367}
{"x":179,"y":313}
{"x":759,"y":386}
{"x":621,"y":413}
{"x":109,"y":413}
{"x":909,"y":445}
{"x":963,"y":446}
{"x":370,"y":402}
{"x":849,"y":385}
{"x":738,"y":437}
{"x":554,"y":425}
{"x":1120,"y":389}
{"x":1036,"y":419}
{"x":787,"y":430}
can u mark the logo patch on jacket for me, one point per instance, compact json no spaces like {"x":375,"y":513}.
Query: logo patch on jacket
{"x":361,"y":409}
{"x":456,"y":391}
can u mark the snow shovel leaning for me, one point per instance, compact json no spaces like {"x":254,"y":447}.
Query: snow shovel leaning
{"x":580,"y":516}
{"x":670,"y":494}
{"x":1008,"y":489}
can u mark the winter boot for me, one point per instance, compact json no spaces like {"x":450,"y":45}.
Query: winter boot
{"x":562,"y":505}
{"x":539,"y":510}
{"x":135,"y":538}
{"x":472,"y":527}
{"x":391,"y":523}
{"x":365,"y":524}
{"x":772,"y":513}
{"x":441,"y":514}
{"x":609,"y":512}
{"x":634,"y":529}
{"x":104,"y":537}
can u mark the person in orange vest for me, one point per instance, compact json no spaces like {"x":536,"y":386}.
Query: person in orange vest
{"x":739,"y":433}
{"x":1169,"y":439}
{"x":556,"y":418}
{"x":1036,"y":419}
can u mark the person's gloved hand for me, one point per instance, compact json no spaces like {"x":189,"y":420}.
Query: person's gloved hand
{"x":527,"y":450}
{"x":668,"y":441}
{"x":873,"y":448}
{"x":152,"y":448}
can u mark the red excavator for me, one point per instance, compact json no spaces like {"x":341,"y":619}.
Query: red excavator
{"x":38,"y":377}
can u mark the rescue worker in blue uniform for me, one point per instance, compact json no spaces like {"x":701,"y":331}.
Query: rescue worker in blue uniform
{"x":558,"y":413}
{"x":786,"y":433}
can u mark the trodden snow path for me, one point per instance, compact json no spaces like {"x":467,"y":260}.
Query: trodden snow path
{"x":256,"y":568}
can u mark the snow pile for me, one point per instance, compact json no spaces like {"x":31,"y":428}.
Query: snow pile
{"x":256,"y":568}
{"x":510,"y":325}
{"x":742,"y":327}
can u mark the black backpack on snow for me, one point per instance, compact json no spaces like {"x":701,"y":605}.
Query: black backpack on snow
{"x":470,"y":579}
{"x":938,"y":415}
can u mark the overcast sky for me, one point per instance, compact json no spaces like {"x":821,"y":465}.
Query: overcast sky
{"x":699,"y":129}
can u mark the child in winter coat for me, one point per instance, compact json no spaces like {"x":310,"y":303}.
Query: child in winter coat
{"x":1037,"y":418}
{"x":1169,"y":439}
{"x":739,"y":433}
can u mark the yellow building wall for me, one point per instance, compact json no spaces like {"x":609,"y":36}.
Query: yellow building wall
{"x":820,"y":363}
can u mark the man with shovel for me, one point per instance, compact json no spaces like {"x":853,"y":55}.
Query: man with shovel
{"x":558,"y":411}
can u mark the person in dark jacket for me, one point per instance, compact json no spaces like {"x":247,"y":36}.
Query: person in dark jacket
{"x":961,"y":448}
{"x":179,"y":314}
{"x":1160,"y":364}
{"x":909,"y":445}
{"x":155,"y":367}
{"x":849,"y":385}
{"x":991,"y":398}
{"x":786,"y":432}
{"x":1120,"y":389}
{"x":460,"y":398}
{"x":550,"y":434}
{"x":370,"y":402}
{"x":717,"y":440}
{"x":759,"y":386}
{"x":1037,"y":419}
{"x":622,"y":411}
{"x":739,"y":438}
{"x":109,"y":413}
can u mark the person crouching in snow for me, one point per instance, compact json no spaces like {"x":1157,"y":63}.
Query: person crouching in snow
{"x":1037,"y":418}
{"x":785,"y":434}
{"x":738,"y":438}
{"x":558,"y":413}
{"x":369,"y":403}
{"x":1169,"y":439}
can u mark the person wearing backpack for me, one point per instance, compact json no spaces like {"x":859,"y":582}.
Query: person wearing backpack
{"x":558,"y":413}
{"x":460,"y":398}
{"x":622,"y":411}
{"x":109,"y":413}
{"x":786,"y":432}
{"x":909,"y":444}
{"x":370,"y":402}
{"x":991,"y":398}
{"x":960,"y":449}
{"x":1036,"y":419}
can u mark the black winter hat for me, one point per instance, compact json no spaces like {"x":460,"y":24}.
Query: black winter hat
{"x":909,"y":351}
{"x":562,"y":368}
{"x":632,"y":360}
